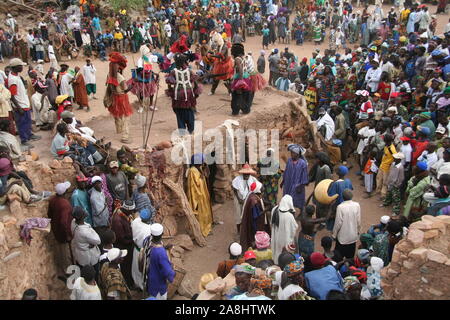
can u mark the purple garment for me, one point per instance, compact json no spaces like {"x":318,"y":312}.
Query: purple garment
{"x":296,"y":174}
{"x":25,"y":229}
{"x":159,"y":272}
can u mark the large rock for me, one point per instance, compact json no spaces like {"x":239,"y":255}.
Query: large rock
{"x":218,"y":285}
{"x":184,"y":241}
{"x":185,"y":289}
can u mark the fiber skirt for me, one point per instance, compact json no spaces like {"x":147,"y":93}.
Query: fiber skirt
{"x":121,"y":106}
{"x":225,"y":68}
{"x":258,"y":82}
{"x":142,"y":89}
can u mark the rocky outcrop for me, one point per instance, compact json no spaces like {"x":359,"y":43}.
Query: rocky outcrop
{"x":420,"y":263}
{"x":24,"y":266}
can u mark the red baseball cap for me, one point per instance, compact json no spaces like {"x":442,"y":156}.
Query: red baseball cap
{"x":249,"y":255}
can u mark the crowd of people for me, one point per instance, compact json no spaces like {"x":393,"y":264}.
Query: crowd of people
{"x":381,"y":108}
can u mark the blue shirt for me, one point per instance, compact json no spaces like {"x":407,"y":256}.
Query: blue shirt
{"x":80,"y":198}
{"x":338,"y":188}
{"x":96,"y":23}
{"x":159,"y":272}
{"x":321,"y":282}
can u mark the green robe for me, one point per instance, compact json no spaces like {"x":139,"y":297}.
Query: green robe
{"x":416,"y":192}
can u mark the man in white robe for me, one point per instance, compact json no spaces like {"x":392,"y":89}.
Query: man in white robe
{"x":283,"y":225}
{"x":241,"y":188}
{"x":141,"y":228}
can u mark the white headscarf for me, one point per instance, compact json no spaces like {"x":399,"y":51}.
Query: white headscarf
{"x":286,"y":204}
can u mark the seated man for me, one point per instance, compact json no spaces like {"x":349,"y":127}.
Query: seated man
{"x":11,"y":182}
{"x":9,"y":141}
{"x":76,"y":127}
{"x":65,"y":144}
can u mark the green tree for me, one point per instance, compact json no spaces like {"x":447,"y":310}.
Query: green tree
{"x":128,"y":4}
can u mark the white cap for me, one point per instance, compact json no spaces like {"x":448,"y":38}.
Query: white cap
{"x":61,"y":188}
{"x":392,"y":109}
{"x":235,"y":249}
{"x":156,"y":229}
{"x":376,"y":263}
{"x":385,"y":219}
{"x":440,"y":130}
{"x":16,"y":62}
{"x":95,"y":179}
{"x":115,"y":253}
{"x":140,"y":181}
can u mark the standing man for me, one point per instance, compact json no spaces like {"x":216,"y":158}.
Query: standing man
{"x":198,"y":194}
{"x":295,"y":177}
{"x":60,"y":213}
{"x":20,"y":102}
{"x":113,"y":282}
{"x":347,"y":225}
{"x":80,"y":198}
{"x":79,"y":89}
{"x":158,"y":268}
{"x":117,"y":182}
{"x":241,"y":188}
{"x":116,"y":99}
{"x":89,"y":78}
{"x":121,"y":225}
{"x":141,"y":229}
{"x":99,"y":206}
{"x":274,"y":61}
{"x":386,"y":161}
{"x":85,"y":241}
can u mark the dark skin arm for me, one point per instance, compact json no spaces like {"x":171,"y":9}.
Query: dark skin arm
{"x":16,"y":106}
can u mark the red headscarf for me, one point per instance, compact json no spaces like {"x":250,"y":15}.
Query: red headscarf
{"x":117,"y":57}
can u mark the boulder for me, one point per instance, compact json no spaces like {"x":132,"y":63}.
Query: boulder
{"x":415,"y":236}
{"x":419,"y":254}
{"x":409,"y":264}
{"x":45,"y":169}
{"x":436,"y":256}
{"x":185,"y":289}
{"x":422,"y":225}
{"x":218,"y":285}
{"x":430,"y":234}
{"x":184,"y":241}
{"x":55,"y":164}
{"x":15,"y":207}
{"x":34,"y":156}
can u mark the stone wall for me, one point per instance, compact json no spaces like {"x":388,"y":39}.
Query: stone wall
{"x":24,"y":266}
{"x":420,"y":263}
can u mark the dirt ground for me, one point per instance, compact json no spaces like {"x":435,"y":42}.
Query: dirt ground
{"x":213,"y":110}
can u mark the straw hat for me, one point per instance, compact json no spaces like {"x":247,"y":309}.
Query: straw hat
{"x":205,"y":279}
{"x":246,"y":169}
{"x":321,"y":192}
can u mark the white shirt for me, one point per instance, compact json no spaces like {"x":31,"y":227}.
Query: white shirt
{"x":21,"y":96}
{"x":85,"y":236}
{"x":86,"y":39}
{"x":373,"y":78}
{"x":83,"y":291}
{"x":367,"y":133}
{"x":51,"y":52}
{"x":30,"y":40}
{"x":3,"y":77}
{"x":429,"y":158}
{"x":243,"y":186}
{"x":66,"y":87}
{"x":348,"y":222}
{"x":328,"y":122}
{"x":447,"y":28}
{"x":89,"y":74}
{"x":407,"y":151}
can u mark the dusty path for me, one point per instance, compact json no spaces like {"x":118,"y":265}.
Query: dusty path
{"x":213,"y":111}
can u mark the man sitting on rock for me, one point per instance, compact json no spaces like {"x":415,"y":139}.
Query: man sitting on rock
{"x":9,"y":141}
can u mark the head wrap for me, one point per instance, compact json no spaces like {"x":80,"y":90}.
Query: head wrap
{"x":262,"y":240}
{"x":245,"y":269}
{"x":295,"y":267}
{"x":363,"y":254}
{"x":116,"y":57}
{"x":256,"y":187}
{"x":317,"y":259}
{"x":376,"y":263}
{"x":261,"y":282}
{"x":144,"y":214}
{"x":342,"y":170}
{"x":366,"y":238}
{"x":350,"y":281}
{"x":296,"y":148}
{"x":360,"y":274}
{"x":235,"y":249}
{"x":422,"y":165}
